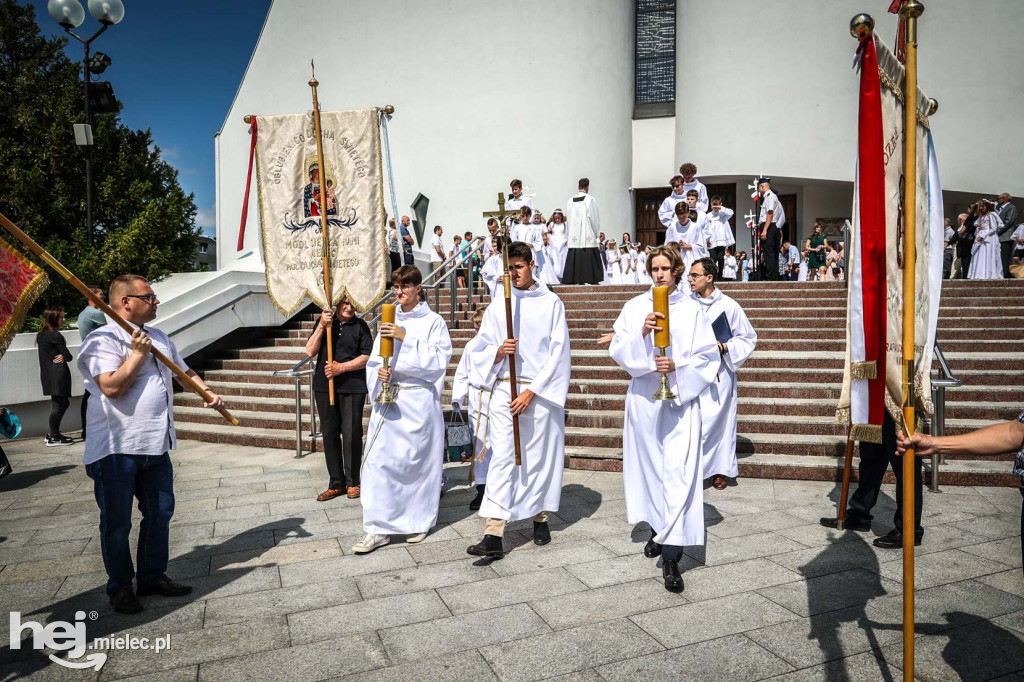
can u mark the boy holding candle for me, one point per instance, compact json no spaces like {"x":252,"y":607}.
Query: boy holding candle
{"x":404,"y":456}
{"x":540,"y":346}
{"x":661,"y":463}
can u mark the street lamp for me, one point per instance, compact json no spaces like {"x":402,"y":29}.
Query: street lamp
{"x":70,"y":15}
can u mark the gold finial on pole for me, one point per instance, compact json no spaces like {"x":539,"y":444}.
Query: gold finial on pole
{"x":909,"y":12}
{"x":862,"y":25}
{"x":933,"y":106}
{"x":388,"y":109}
{"x":247,"y":118}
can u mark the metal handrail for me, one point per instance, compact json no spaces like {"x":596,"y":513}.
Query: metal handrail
{"x":438,"y":275}
{"x":939,"y":385}
{"x":297,"y":373}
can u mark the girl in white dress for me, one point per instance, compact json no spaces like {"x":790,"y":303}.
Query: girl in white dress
{"x":628,"y":265}
{"x":641,"y":265}
{"x":729,"y":271}
{"x":545,"y":261}
{"x":613,"y":271}
{"x":986,"y":259}
{"x":802,"y":272}
{"x":559,"y":240}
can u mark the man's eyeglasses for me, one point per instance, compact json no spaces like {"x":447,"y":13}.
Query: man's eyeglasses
{"x":695,"y":275}
{"x":676,"y":186}
{"x":148,"y":298}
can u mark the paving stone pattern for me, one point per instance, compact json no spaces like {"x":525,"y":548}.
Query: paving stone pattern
{"x":279,"y":594}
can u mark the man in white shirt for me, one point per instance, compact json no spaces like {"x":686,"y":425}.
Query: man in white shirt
{"x":690,"y":181}
{"x":492,"y":230}
{"x":772,"y":218}
{"x":792,"y":256}
{"x":517,"y":200}
{"x":436,"y":248}
{"x":131,"y":430}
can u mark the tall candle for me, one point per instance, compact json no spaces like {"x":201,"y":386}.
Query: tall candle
{"x":387,"y":344}
{"x":661,"y":339}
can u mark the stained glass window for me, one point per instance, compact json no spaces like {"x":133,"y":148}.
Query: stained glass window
{"x":655,"y":57}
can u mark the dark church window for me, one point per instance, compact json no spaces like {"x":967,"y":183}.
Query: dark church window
{"x":655,"y":58}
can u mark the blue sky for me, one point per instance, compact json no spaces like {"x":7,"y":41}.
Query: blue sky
{"x":176,"y":65}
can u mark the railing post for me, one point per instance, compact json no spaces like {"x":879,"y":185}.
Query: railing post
{"x":298,"y":417}
{"x":451,"y":285}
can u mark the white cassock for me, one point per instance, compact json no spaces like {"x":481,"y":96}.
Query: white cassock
{"x":560,"y":242}
{"x":719,"y":401}
{"x":641,"y":268}
{"x":546,"y":270}
{"x":492,"y":271}
{"x":720,"y":231}
{"x":986,"y":260}
{"x":513,"y":204}
{"x":693,"y":234}
{"x":667,"y":211}
{"x":528,"y":233}
{"x":661,"y":456}
{"x":702,"y":193}
{"x":404,"y":454}
{"x":465,"y":392}
{"x":542,"y":366}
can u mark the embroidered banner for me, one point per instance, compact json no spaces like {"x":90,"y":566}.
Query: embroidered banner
{"x":872,"y":381}
{"x":21,"y":282}
{"x":288,"y":177}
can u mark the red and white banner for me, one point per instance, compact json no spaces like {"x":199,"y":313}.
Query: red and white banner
{"x":21,"y":282}
{"x":872,"y":381}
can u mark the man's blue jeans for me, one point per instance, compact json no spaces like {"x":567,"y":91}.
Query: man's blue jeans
{"x":117,"y":480}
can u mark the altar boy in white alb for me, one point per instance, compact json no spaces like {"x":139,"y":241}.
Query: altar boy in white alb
{"x":404,"y":454}
{"x":661,"y":464}
{"x":719,"y":401}
{"x":541,"y":347}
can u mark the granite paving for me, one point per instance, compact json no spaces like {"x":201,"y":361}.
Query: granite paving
{"x":279,"y":594}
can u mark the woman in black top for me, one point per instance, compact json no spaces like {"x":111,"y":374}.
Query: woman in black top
{"x":54,"y":374}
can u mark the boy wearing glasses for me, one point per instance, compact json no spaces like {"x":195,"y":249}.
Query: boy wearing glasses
{"x":667,"y":212}
{"x":541,"y":348}
{"x":404,"y":455}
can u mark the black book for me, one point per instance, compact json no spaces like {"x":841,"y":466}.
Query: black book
{"x":722,"y":331}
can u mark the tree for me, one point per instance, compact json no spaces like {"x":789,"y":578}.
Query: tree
{"x":145,"y":222}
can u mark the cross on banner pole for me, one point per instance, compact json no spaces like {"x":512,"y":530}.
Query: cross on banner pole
{"x":501,"y":214}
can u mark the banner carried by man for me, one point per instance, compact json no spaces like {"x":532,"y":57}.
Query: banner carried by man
{"x":288,"y":176}
{"x":872,"y":381}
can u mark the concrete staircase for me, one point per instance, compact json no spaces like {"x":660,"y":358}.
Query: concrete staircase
{"x":788,"y":389}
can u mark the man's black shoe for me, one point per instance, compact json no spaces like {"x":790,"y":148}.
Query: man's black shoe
{"x":490,"y":546}
{"x":541,"y":533}
{"x":165,"y":587}
{"x":652,"y":548}
{"x":861,"y":526}
{"x":893,"y":540}
{"x":125,"y":601}
{"x":479,"y":499}
{"x":673,"y":579}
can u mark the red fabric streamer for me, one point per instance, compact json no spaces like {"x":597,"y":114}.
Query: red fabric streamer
{"x":871,"y":199}
{"x":901,"y":30}
{"x":248,"y":184}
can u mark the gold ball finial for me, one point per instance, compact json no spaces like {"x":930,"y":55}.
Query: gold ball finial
{"x":388,"y":109}
{"x":247,"y":118}
{"x":911,"y":9}
{"x":862,"y":26}
{"x":933,"y":106}
{"x":313,"y":82}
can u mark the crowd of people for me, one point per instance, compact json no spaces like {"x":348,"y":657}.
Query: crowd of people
{"x":987,"y":242}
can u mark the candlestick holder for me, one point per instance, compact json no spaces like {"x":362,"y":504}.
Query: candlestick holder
{"x":664,"y":392}
{"x":385,"y":396}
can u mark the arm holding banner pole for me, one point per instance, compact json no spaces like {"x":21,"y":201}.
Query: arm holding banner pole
{"x":180,"y":374}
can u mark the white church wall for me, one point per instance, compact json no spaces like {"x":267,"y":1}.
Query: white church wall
{"x":654,"y":149}
{"x":776,"y":93}
{"x":483,"y":93}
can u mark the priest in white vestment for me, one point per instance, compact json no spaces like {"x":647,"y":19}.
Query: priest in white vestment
{"x":404,"y":455}
{"x":661,"y":463}
{"x":541,"y":347}
{"x":471,"y":395}
{"x":583,"y":260}
{"x":719,"y":401}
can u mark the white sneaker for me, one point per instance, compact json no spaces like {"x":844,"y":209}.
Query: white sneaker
{"x":370,"y":543}
{"x":413,"y":539}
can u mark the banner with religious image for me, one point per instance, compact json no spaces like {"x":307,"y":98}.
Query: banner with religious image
{"x":872,"y":380}
{"x":21,"y":282}
{"x":288,"y":177}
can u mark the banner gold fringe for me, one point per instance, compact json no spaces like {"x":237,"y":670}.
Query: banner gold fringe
{"x":28,"y":296}
{"x":863,"y":371}
{"x":872,"y":433}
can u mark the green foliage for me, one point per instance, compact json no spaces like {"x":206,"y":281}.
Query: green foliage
{"x":144,"y":221}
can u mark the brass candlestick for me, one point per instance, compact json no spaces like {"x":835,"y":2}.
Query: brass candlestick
{"x":664,"y":392}
{"x":385,"y":395}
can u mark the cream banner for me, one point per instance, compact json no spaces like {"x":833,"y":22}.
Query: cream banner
{"x":288,"y":177}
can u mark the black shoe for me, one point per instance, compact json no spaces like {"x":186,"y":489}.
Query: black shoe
{"x":893,"y":540}
{"x":479,"y":499}
{"x":490,"y":546}
{"x":125,"y":601}
{"x":652,"y":548}
{"x":673,"y":579}
{"x":862,"y":526}
{"x":541,"y":533}
{"x":165,"y":587}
